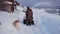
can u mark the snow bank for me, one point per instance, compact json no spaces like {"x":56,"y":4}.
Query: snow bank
{"x":6,"y":26}
{"x":19,"y":15}
{"x":21,"y":8}
{"x":51,"y":22}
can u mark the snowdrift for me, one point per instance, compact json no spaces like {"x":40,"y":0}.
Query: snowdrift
{"x":6,"y":26}
{"x":51,"y":22}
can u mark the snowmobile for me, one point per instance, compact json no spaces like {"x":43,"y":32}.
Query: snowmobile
{"x":28,"y":22}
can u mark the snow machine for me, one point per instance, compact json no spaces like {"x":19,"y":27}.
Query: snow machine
{"x":29,"y":22}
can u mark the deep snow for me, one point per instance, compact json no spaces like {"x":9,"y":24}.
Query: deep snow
{"x":45,"y":23}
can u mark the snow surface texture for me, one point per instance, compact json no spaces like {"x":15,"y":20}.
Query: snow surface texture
{"x":45,"y":23}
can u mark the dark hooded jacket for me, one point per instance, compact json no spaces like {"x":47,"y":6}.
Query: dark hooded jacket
{"x":29,"y":14}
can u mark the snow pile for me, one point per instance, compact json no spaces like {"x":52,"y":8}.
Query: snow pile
{"x":47,"y":21}
{"x":6,"y":26}
{"x":52,"y":23}
{"x":19,"y":8}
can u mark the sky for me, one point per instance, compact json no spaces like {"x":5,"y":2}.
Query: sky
{"x":34,"y":2}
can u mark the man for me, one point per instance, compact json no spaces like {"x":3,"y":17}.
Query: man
{"x":29,"y":17}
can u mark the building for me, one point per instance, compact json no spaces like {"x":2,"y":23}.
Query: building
{"x":7,"y":5}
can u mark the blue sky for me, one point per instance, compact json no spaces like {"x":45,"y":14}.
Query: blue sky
{"x":33,"y":2}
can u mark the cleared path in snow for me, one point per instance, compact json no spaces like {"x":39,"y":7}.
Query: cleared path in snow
{"x":38,"y":28}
